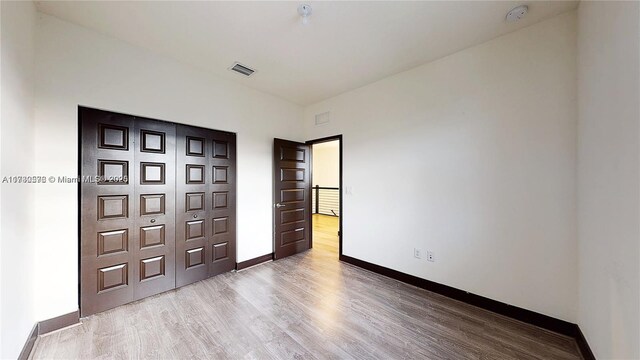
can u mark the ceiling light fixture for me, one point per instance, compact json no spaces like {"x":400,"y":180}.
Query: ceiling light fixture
{"x":305,"y":12}
{"x":517,"y":13}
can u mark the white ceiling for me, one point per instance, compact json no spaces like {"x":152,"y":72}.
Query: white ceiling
{"x":346,"y":44}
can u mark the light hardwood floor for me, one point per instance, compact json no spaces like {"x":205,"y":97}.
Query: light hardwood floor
{"x":303,"y":307}
{"x":325,"y":233}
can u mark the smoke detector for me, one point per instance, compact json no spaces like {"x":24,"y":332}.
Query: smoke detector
{"x":517,"y":13}
{"x":305,"y":11}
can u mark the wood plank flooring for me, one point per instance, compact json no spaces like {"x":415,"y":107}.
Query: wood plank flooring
{"x":325,"y":233}
{"x":308,"y":306}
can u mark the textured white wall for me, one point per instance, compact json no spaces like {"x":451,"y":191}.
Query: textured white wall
{"x":473,"y":157}
{"x":76,"y":66}
{"x":17,"y":271}
{"x":609,"y":177}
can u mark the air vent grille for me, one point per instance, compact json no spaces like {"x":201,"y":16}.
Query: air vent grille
{"x":322,"y":119}
{"x":242,"y":69}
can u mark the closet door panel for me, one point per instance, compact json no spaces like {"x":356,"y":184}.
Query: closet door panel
{"x":106,"y":211}
{"x":223,"y":199}
{"x":155,"y":183}
{"x":192,"y":204}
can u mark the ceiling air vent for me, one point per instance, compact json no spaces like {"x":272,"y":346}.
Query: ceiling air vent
{"x":242,"y":69}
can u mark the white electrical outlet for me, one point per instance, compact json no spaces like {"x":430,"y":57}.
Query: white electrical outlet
{"x":417,"y":253}
{"x":430,"y":256}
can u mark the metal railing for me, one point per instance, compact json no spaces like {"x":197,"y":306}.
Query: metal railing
{"x":325,"y":200}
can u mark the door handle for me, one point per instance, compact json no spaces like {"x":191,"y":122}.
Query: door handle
{"x":278,"y":205}
{"x":153,"y":221}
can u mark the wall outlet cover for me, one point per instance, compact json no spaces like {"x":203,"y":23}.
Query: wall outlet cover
{"x":430,"y":256}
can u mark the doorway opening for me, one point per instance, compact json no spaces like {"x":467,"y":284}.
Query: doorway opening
{"x":306,"y":198}
{"x":326,"y":194}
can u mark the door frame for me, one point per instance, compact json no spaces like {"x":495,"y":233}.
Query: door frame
{"x":340,"y":184}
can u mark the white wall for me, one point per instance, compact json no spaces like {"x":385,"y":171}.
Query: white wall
{"x":326,"y":164}
{"x":17,"y":271}
{"x":609,"y":177}
{"x":77,"y":66}
{"x":472,"y":156}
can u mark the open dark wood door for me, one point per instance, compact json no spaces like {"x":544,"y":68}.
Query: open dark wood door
{"x":291,"y":197}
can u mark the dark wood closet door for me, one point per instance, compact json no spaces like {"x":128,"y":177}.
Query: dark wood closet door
{"x":163,"y":212}
{"x":222,"y":193}
{"x":154,"y":213}
{"x":292,"y":202}
{"x":206,"y":197}
{"x":107,"y":211}
{"x":192,"y":204}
